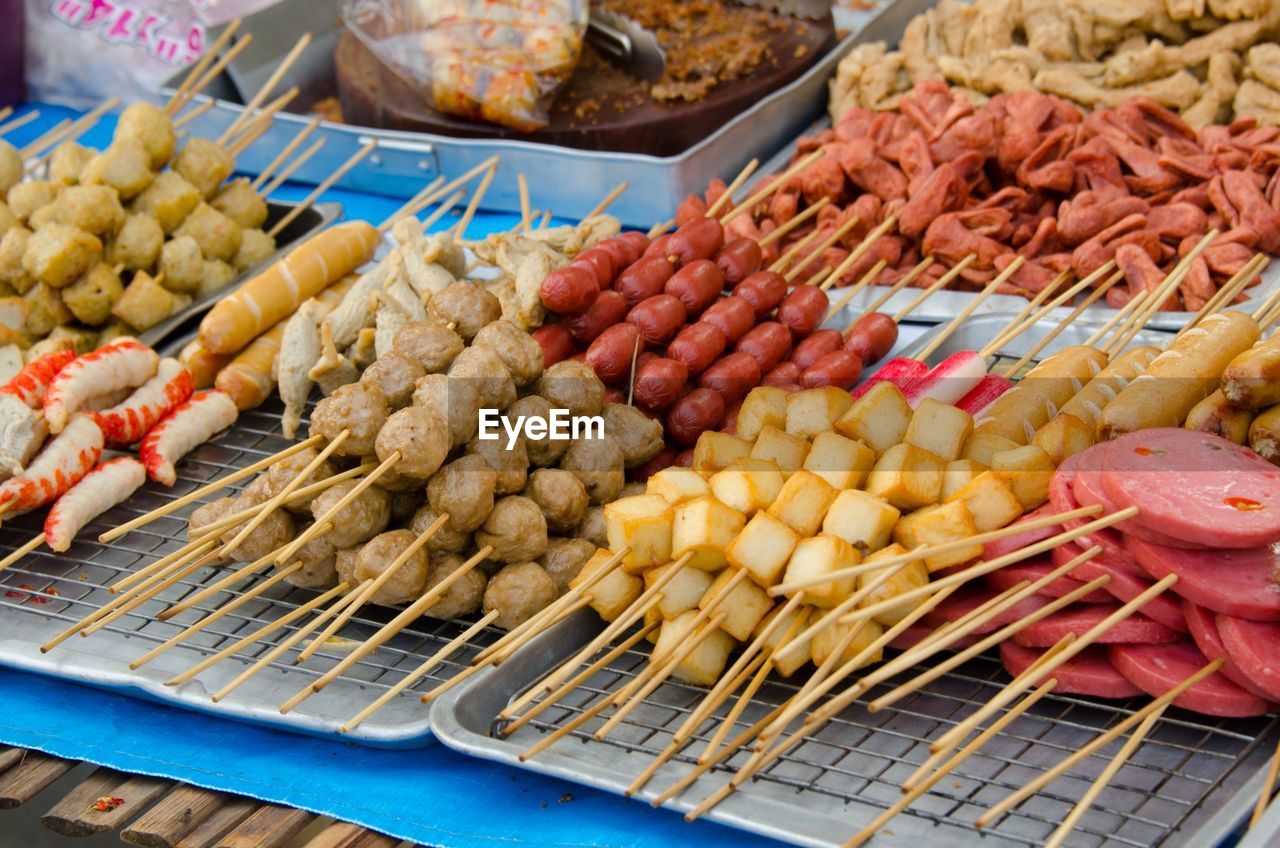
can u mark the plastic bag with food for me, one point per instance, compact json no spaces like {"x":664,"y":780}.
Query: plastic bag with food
{"x":494,"y":60}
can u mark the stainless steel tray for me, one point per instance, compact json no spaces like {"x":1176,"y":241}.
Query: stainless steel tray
{"x":1267,"y":831}
{"x":1191,"y":783}
{"x":567,"y":181}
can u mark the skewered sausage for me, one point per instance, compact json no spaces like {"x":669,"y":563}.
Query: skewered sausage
{"x":569,"y":289}
{"x":421,"y":437}
{"x":189,"y":425}
{"x":764,"y":290}
{"x":698,"y":345}
{"x":803,"y":310}
{"x":102,"y":488}
{"x":599,"y":464}
{"x":409,"y":579}
{"x":767,"y":343}
{"x":658,"y":318}
{"x":659,"y":247}
{"x":695,"y":413}
{"x":600,"y":263}
{"x":464,"y":595}
{"x":871,"y":337}
{"x":635,"y":242}
{"x":520,"y":353}
{"x":733,"y":316}
{"x":643,"y":279}
{"x":1251,"y":379}
{"x":610,"y":308}
{"x":62,"y":463}
{"x":1215,"y":415}
{"x":839,"y":368}
{"x":816,"y":346}
{"x":127,"y":422}
{"x":364,"y":517}
{"x":467,"y":306}
{"x":638,"y":435}
{"x":659,"y":383}
{"x":733,"y":376}
{"x":561,"y":497}
{"x":785,"y":375}
{"x":446,"y":540}
{"x":573,"y":386}
{"x":739,"y":259}
{"x":611,"y":354}
{"x":556,"y":343}
{"x":564,"y":560}
{"x":283,"y":472}
{"x":357,"y":408}
{"x":485,"y":370}
{"x":518,"y":592}
{"x":464,"y":490}
{"x":429,"y":343}
{"x":697,"y":285}
{"x":700,"y":239}
{"x":516,"y":529}
{"x":511,"y":464}
{"x":123,"y":364}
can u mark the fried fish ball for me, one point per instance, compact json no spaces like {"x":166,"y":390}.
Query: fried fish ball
{"x":560,"y":495}
{"x":464,"y":490}
{"x":68,"y":162}
{"x":572,"y":385}
{"x":464,"y":595}
{"x":565,"y":558}
{"x":91,"y":297}
{"x":639,"y":436}
{"x":28,"y":196}
{"x":275,"y":530}
{"x":137,"y":243}
{"x":7,"y":218}
{"x":446,"y":539}
{"x":593,"y":528}
{"x":145,"y":302}
{"x":467,"y":306}
{"x":319,"y":561}
{"x":56,"y":254}
{"x":283,"y":472}
{"x":363,"y":518}
{"x":483,"y":368}
{"x":204,"y":164}
{"x":395,"y":374}
{"x":356,"y":407}
{"x":182,"y":263}
{"x":420,"y":436}
{"x":518,"y":592}
{"x":239,"y":202}
{"x":519,"y":351}
{"x":215,"y":277}
{"x":93,"y":208}
{"x":598,"y":463}
{"x":457,"y":400}
{"x":124,"y":166}
{"x":510,"y":463}
{"x":11,"y":167}
{"x":516,"y":528}
{"x":256,"y":247}
{"x":217,"y":235}
{"x":407,"y":582}
{"x":431,"y":343}
{"x":543,"y":451}
{"x":150,"y":126}
{"x":13,"y":244}
{"x":169,"y":199}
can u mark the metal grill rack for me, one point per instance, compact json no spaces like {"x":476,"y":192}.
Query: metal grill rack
{"x":1190,"y":783}
{"x":44,"y":593}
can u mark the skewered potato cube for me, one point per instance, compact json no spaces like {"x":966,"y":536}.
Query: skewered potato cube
{"x":93,"y":208}
{"x":137,"y":244}
{"x":256,"y":247}
{"x":763,"y":406}
{"x":217,"y":235}
{"x":614,"y":592}
{"x":239,"y":202}
{"x":937,"y":525}
{"x":792,"y":625}
{"x":957,"y":475}
{"x":860,"y":636}
{"x":29,"y":195}
{"x":682,"y":592}
{"x":714,"y":451}
{"x":144,"y":303}
{"x":815,"y":411}
{"x":57,"y":254}
{"x":643,"y":524}
{"x":989,"y":500}
{"x":676,"y":484}
{"x":13,"y":244}
{"x":204,"y":164}
{"x":939,"y":428}
{"x":91,"y":297}
{"x":763,"y":548}
{"x":913,"y":575}
{"x":45,"y":309}
{"x":169,"y":199}
{"x":124,"y":166}
{"x":182,"y":264}
{"x":817,"y":557}
{"x":1027,"y":470}
{"x":842,"y":462}
{"x":705,"y":662}
{"x":1063,"y":436}
{"x":803,"y":502}
{"x":217,"y":274}
{"x":652,"y":616}
{"x":68,"y":161}
{"x":83,"y":339}
{"x":743,"y":606}
{"x":907,"y":477}
{"x":704,"y":527}
{"x":879,"y":419}
{"x":747,"y":484}
{"x":862,"y":520}
{"x":783,"y":448}
{"x":982,"y":445}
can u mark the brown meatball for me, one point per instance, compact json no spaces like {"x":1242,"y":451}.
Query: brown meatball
{"x":169,"y":199}
{"x":137,"y":244}
{"x":239,"y":202}
{"x":565,"y":558}
{"x":544,"y":451}
{"x":283,"y":473}
{"x":518,"y":592}
{"x":124,"y":167}
{"x":511,"y":464}
{"x":420,"y":436}
{"x":560,"y":495}
{"x":463,"y":489}
{"x":599,"y":465}
{"x":151,"y":126}
{"x":516,"y":529}
{"x":256,"y":247}
{"x":182,"y":264}
{"x":592,"y":528}
{"x":457,"y":400}
{"x":205,"y":515}
{"x":344,"y":562}
{"x":484,"y":369}
{"x":275,"y":530}
{"x":398,"y":484}
{"x":217,"y":235}
{"x":464,"y":595}
{"x":29,"y":195}
{"x":319,"y":564}
{"x":408,"y":580}
{"x":572,"y":385}
{"x":359,"y":408}
{"x":465,"y":305}
{"x":257,"y":491}
{"x":204,"y":164}
{"x":446,"y":539}
{"x":519,"y":351}
{"x":430,"y":343}
{"x":405,"y":503}
{"x":363,"y":518}
{"x":395,"y":375}
{"x":639,"y":436}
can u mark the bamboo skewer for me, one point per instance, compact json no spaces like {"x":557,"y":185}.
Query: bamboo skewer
{"x":260,"y":124}
{"x":19,"y":122}
{"x":33,"y":147}
{"x":1025,"y":312}
{"x":1115,"y":320}
{"x":352,"y":161}
{"x":27,"y":548}
{"x":284,"y":154}
{"x":265,"y":91}
{"x":1267,"y":305}
{"x":460,"y":229}
{"x":182,"y":120}
{"x":793,"y":222}
{"x":797,"y":264}
{"x":858,"y":251}
{"x":1162,"y":292}
{"x":452,"y":185}
{"x":184,"y":93}
{"x":1018,"y":328}
{"x":5,"y":113}
{"x":940,"y":283}
{"x":218,"y":66}
{"x":443,"y":209}
{"x":44,"y":145}
{"x":909,"y":278}
{"x":607,"y":200}
{"x":792,"y":252}
{"x":288,"y":170}
{"x":729,"y":190}
{"x":421,"y":200}
{"x":356,"y":490}
{"x":526,"y":213}
{"x":1227,"y":294}
{"x":988,"y":290}
{"x":850,"y":291}
{"x":1063,"y":324}
{"x":144,"y":576}
{"x":774,"y":186}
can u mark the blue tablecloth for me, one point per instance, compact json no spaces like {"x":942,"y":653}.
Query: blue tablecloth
{"x":432,"y":796}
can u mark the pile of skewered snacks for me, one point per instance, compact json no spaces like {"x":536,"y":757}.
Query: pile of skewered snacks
{"x":1182,"y":55}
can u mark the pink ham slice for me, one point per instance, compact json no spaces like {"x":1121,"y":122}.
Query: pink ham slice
{"x":1006,"y":578}
{"x":1137,"y":629}
{"x":1204,"y":630}
{"x":1195,"y":487}
{"x":1123,"y":586}
{"x":1062,"y":496}
{"x":1087,"y":673}
{"x":968,"y":598}
{"x":1155,"y":669}
{"x":1239,"y":582}
{"x":1254,"y":646}
{"x":1009,"y":544}
{"x":1087,"y":487}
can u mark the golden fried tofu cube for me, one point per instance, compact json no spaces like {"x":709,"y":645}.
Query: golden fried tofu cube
{"x":937,"y":525}
{"x":907,"y":477}
{"x":862,"y":520}
{"x":783,"y":448}
{"x":703,"y":528}
{"x":764,"y":406}
{"x":643,"y":524}
{"x":45,"y":309}
{"x":57,"y":254}
{"x":677,"y":484}
{"x":904,"y":578}
{"x":763,"y":548}
{"x":747,"y":485}
{"x":682,"y":592}
{"x":860,"y":636}
{"x":803,"y":502}
{"x":982,"y":445}
{"x":91,"y":297}
{"x":144,"y":303}
{"x":1064,"y":436}
{"x":716,"y":450}
{"x":879,"y":419}
{"x":840,"y":461}
{"x":817,"y":557}
{"x":705,"y":663}
{"x":991,"y":502}
{"x":795,"y":622}
{"x":1027,"y":470}
{"x":83,"y":339}
{"x":613,"y":593}
{"x":939,"y":428}
{"x":743,"y":606}
{"x":957,"y":475}
{"x":815,"y":411}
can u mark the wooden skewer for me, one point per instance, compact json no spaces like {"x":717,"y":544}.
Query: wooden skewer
{"x":1042,"y":312}
{"x":812,"y":255}
{"x":760,"y":195}
{"x":660,"y":228}
{"x":1063,"y":324}
{"x":1121,"y":315}
{"x":443,"y":209}
{"x":1227,"y":294}
{"x":125,"y":603}
{"x":144,"y":576}
{"x":729,"y":190}
{"x":890,"y":291}
{"x":260,"y":124}
{"x":284,"y":154}
{"x":546,"y":219}
{"x":1163,"y":292}
{"x":288,"y":170}
{"x":859,"y":250}
{"x":311,"y":532}
{"x":27,"y":548}
{"x":452,"y":185}
{"x":182,"y":120}
{"x":45,"y":143}
{"x":1267,"y":305}
{"x":212,"y":73}
{"x":831,"y":663}
{"x":862,"y":283}
{"x":1023,"y":313}
{"x":424,"y":198}
{"x":987,"y":291}
{"x":940,"y":283}
{"x":460,"y":230}
{"x":795,"y":250}
{"x":933,"y":640}
{"x":793,"y":222}
{"x":607,"y":200}
{"x":184,"y":93}
{"x":1268,"y":789}
{"x":19,"y":122}
{"x":328,"y":182}
{"x":526,"y":215}
{"x":267,"y":87}
{"x":31,"y":149}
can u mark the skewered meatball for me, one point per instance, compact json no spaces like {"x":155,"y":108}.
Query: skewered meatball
{"x":124,"y":166}
{"x":137,"y":243}
{"x":511,"y":464}
{"x":395,"y":374}
{"x":516,"y":528}
{"x":182,"y":264}
{"x":11,"y":166}
{"x":150,"y":126}
{"x":467,"y":306}
{"x":482,"y":367}
{"x":344,"y":562}
{"x":598,"y":463}
{"x":68,"y":161}
{"x":408,"y":581}
{"x":565,"y":558}
{"x":319,"y":564}
{"x":239,"y":202}
{"x":543,"y":451}
{"x":286,"y":470}
{"x":518,"y":592}
{"x":256,"y":247}
{"x":446,"y":539}
{"x":592,"y":528}
{"x":26,"y":197}
{"x":91,"y":297}
{"x":397,"y":484}
{"x":204,"y":164}
{"x":206,"y":514}
{"x":357,"y":407}
{"x":215,"y":277}
{"x":405,"y":504}
{"x":560,"y":495}
{"x":275,"y":530}
{"x":217,"y":235}
{"x":572,"y":385}
{"x":169,"y":199}
{"x":639,"y":436}
{"x":430,"y":343}
{"x":360,"y":520}
{"x":456,"y":400}
{"x":57,"y":254}
{"x":419,"y":435}
{"x":93,"y":208}
{"x":464,"y":595}
{"x":463,"y":489}
{"x":258,"y":491}
{"x":519,"y":351}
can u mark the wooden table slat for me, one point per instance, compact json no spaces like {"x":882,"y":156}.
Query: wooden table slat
{"x":67,"y":816}
{"x":221,"y":822}
{"x":346,"y":835}
{"x":10,"y":757}
{"x":28,"y":778}
{"x":269,"y":827}
{"x":133,"y":796}
{"x":176,"y":815}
